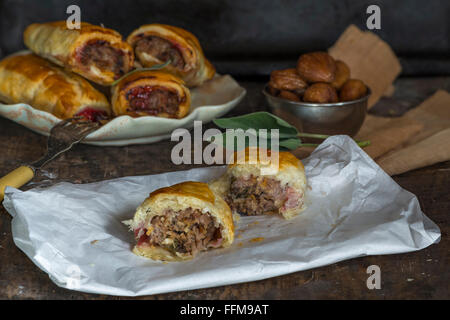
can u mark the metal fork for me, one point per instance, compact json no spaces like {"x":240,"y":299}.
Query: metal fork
{"x":62,"y":137}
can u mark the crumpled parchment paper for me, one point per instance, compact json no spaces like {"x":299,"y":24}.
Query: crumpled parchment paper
{"x":75,"y":234}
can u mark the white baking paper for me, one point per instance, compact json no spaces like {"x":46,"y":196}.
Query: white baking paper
{"x":75,"y":234}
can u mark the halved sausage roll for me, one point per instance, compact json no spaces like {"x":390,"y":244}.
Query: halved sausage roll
{"x":96,"y":53}
{"x":33,"y":80}
{"x":177,"y":222}
{"x":157,"y":43}
{"x":249,"y":190}
{"x":151,"y":93}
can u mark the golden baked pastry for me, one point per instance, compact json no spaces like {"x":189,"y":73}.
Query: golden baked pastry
{"x":35,"y":81}
{"x":154,"y":93}
{"x":252,"y":186}
{"x":157,"y":43}
{"x":98,"y":54}
{"x":177,"y":222}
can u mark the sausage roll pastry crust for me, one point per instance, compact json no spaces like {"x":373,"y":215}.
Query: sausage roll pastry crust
{"x":98,"y":54}
{"x":151,"y":93}
{"x":248,"y":192}
{"x":35,"y":81}
{"x":157,"y":43}
{"x":177,"y":222}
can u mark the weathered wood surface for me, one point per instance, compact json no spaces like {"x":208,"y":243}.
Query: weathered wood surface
{"x":417,"y":275}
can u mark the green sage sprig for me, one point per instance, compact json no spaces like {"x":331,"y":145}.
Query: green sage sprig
{"x":154,"y":67}
{"x":289,"y":137}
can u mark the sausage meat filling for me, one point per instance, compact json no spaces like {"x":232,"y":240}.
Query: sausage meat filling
{"x":187,"y":231}
{"x":153,"y":100}
{"x":100,"y":54}
{"x":256,"y":196}
{"x":161,"y":49}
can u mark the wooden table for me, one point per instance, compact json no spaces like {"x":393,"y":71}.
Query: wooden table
{"x":418,"y":275}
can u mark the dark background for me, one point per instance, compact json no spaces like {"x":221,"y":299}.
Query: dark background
{"x":252,"y":37}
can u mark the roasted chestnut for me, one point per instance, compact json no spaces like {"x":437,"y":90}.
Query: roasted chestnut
{"x":320,"y":93}
{"x":352,"y":89}
{"x":287,"y":79}
{"x":289,"y":95}
{"x":317,"y":67}
{"x":342,"y":74}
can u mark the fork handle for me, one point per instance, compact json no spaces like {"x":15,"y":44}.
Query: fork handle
{"x":16,"y":179}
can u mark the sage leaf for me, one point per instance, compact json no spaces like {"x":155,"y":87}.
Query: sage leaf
{"x":289,"y":137}
{"x":290,"y":144}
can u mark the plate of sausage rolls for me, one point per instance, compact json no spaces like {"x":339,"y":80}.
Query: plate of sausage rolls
{"x":141,"y":88}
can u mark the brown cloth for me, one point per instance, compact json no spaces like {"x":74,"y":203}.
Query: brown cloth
{"x":370,"y":59}
{"x":434,"y":113}
{"x":429,"y":151}
{"x":385,"y":134}
{"x":430,"y":145}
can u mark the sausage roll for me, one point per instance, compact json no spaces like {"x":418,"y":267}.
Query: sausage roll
{"x":151,"y":93}
{"x":98,"y":54}
{"x":33,"y":80}
{"x":249,"y":190}
{"x":157,"y":43}
{"x":177,"y":222}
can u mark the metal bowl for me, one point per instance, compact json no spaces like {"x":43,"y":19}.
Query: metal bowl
{"x":322,"y":118}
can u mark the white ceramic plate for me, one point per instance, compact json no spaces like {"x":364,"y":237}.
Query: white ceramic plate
{"x":211,"y":100}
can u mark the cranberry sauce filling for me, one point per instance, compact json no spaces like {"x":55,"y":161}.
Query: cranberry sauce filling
{"x":153,"y":100}
{"x":100,"y":54}
{"x":162,"y":49}
{"x":92,"y":114}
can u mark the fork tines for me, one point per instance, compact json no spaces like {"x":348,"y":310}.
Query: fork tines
{"x":76,"y":127}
